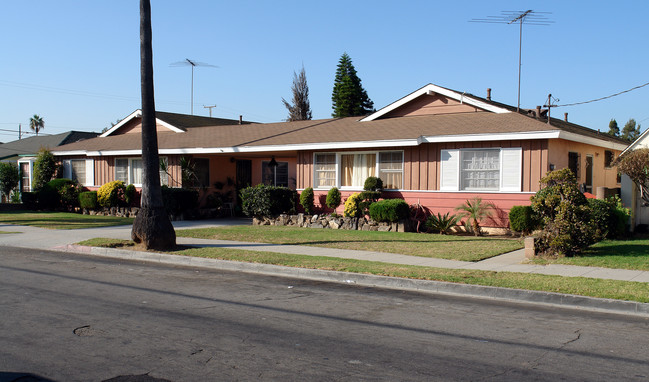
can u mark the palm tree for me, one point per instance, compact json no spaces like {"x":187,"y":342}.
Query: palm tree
{"x":36,"y":123}
{"x":152,"y":226}
{"x":474,"y":211}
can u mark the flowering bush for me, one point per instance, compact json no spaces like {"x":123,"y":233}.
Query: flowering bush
{"x":111,"y":194}
{"x":353,"y":205}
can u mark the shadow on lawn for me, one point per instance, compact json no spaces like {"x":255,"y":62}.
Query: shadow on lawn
{"x":619,"y":249}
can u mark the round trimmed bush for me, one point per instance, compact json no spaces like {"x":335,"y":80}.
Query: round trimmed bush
{"x":306,"y":200}
{"x":333,"y":198}
{"x":522,"y":219}
{"x":373,"y":183}
{"x":111,"y":194}
{"x":389,"y":210}
{"x":88,"y":200}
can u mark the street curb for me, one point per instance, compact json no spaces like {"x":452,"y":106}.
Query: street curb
{"x":425,"y":286}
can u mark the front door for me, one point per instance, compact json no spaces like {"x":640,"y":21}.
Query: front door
{"x":244,"y":176}
{"x":589,"y":173}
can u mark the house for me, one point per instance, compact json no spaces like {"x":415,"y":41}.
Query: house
{"x":630,"y":193}
{"x":436,"y":146}
{"x":22,"y":151}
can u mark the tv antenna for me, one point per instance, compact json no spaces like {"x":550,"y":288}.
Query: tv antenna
{"x":521,"y":17}
{"x":209,"y":107}
{"x":193,"y":63}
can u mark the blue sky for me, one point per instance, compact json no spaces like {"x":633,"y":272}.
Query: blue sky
{"x":76,"y":63}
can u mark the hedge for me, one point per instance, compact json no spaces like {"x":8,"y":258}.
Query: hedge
{"x":389,"y":210}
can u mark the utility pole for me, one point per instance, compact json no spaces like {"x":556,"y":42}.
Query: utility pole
{"x":20,"y":134}
{"x":209,"y":107}
{"x":549,"y":106}
{"x":192,"y":63}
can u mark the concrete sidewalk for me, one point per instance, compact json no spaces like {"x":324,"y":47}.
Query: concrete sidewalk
{"x":63,"y":240}
{"x":40,"y":238}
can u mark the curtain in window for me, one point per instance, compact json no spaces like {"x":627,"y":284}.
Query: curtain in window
{"x":356,"y":168}
{"x":325,"y":170}
{"x":391,"y":169}
{"x":136,"y":171}
{"x":480,"y":170}
{"x":121,"y":170}
{"x":78,"y":168}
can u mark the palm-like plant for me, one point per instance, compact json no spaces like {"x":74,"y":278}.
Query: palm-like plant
{"x":475,"y":210}
{"x":442,"y":223}
{"x":36,"y":123}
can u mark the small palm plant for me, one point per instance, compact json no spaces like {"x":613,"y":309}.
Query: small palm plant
{"x":475,"y":210}
{"x":442,"y":223}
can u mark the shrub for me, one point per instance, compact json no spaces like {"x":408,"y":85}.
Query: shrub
{"x":566,"y":218}
{"x":609,"y":217}
{"x":389,"y":210}
{"x":353,"y":205}
{"x":88,"y":200}
{"x":9,"y":178}
{"x":474,"y":210}
{"x":130,"y":193}
{"x":45,"y":168}
{"x":179,"y":200}
{"x":442,"y":223}
{"x":111,"y":194}
{"x":48,"y":198}
{"x":333,"y":198}
{"x":373,"y":183}
{"x":30,"y":200}
{"x":306,"y":200}
{"x":263,"y":200}
{"x":68,"y":191}
{"x":522,"y":219}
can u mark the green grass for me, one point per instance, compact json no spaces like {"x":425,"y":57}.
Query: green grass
{"x":60,"y":220}
{"x":620,"y":290}
{"x":465,"y":248}
{"x":620,"y":254}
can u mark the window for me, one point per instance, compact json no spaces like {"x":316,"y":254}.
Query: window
{"x":574,"y":160}
{"x":480,"y":170}
{"x":391,"y":169}
{"x":325,"y":170}
{"x":352,"y":169}
{"x":121,"y":170}
{"x":497,"y":169}
{"x":608,"y":158}
{"x":276,"y":176}
{"x":131,"y":171}
{"x":202,"y":172}
{"x":25,"y":177}
{"x":355,"y":168}
{"x":78,"y":170}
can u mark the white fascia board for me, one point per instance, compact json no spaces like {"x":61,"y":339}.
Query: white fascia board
{"x":491,"y":137}
{"x":434,"y":89}
{"x":135,"y":114}
{"x":138,"y":113}
{"x":69,"y":153}
{"x":591,"y":141}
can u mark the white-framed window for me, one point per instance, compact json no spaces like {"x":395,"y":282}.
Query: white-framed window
{"x":349,"y":170}
{"x":131,"y":170}
{"x":25,"y":169}
{"x":488,"y":169}
{"x":274,"y":175}
{"x":81,"y":170}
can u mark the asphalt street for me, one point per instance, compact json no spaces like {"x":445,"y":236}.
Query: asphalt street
{"x":67,"y":317}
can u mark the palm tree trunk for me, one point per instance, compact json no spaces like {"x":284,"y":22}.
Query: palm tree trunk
{"x":152,"y":226}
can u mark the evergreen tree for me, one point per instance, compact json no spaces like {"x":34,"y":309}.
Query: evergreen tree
{"x":349,"y":99}
{"x":630,"y":132}
{"x":300,"y":110}
{"x":613,"y":129}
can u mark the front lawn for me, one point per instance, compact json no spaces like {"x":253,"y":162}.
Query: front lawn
{"x":453,"y":247}
{"x":622,"y":254}
{"x":60,"y":220}
{"x":601,"y":288}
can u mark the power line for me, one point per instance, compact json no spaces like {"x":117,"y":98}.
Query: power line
{"x":603,"y":98}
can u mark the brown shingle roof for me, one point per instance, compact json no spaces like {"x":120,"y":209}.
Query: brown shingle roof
{"x":332,"y":131}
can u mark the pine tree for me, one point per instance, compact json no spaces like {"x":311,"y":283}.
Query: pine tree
{"x":613,"y":129}
{"x":630,"y":132}
{"x":349,"y":99}
{"x":300,"y":110}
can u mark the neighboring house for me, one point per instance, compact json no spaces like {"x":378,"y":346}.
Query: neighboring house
{"x":23,"y":151}
{"x":630,"y":193}
{"x":436,"y":146}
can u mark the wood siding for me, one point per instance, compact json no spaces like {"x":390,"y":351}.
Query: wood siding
{"x":431,"y":104}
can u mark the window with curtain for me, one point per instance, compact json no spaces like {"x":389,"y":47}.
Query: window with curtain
{"x":78,"y":170}
{"x":121,"y":169}
{"x":325,"y":170}
{"x":355,"y":168}
{"x":25,"y":184}
{"x":480,"y":170}
{"x":136,"y":171}
{"x":391,"y":169}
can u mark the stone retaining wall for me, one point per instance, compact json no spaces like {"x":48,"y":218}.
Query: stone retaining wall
{"x":333,"y":222}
